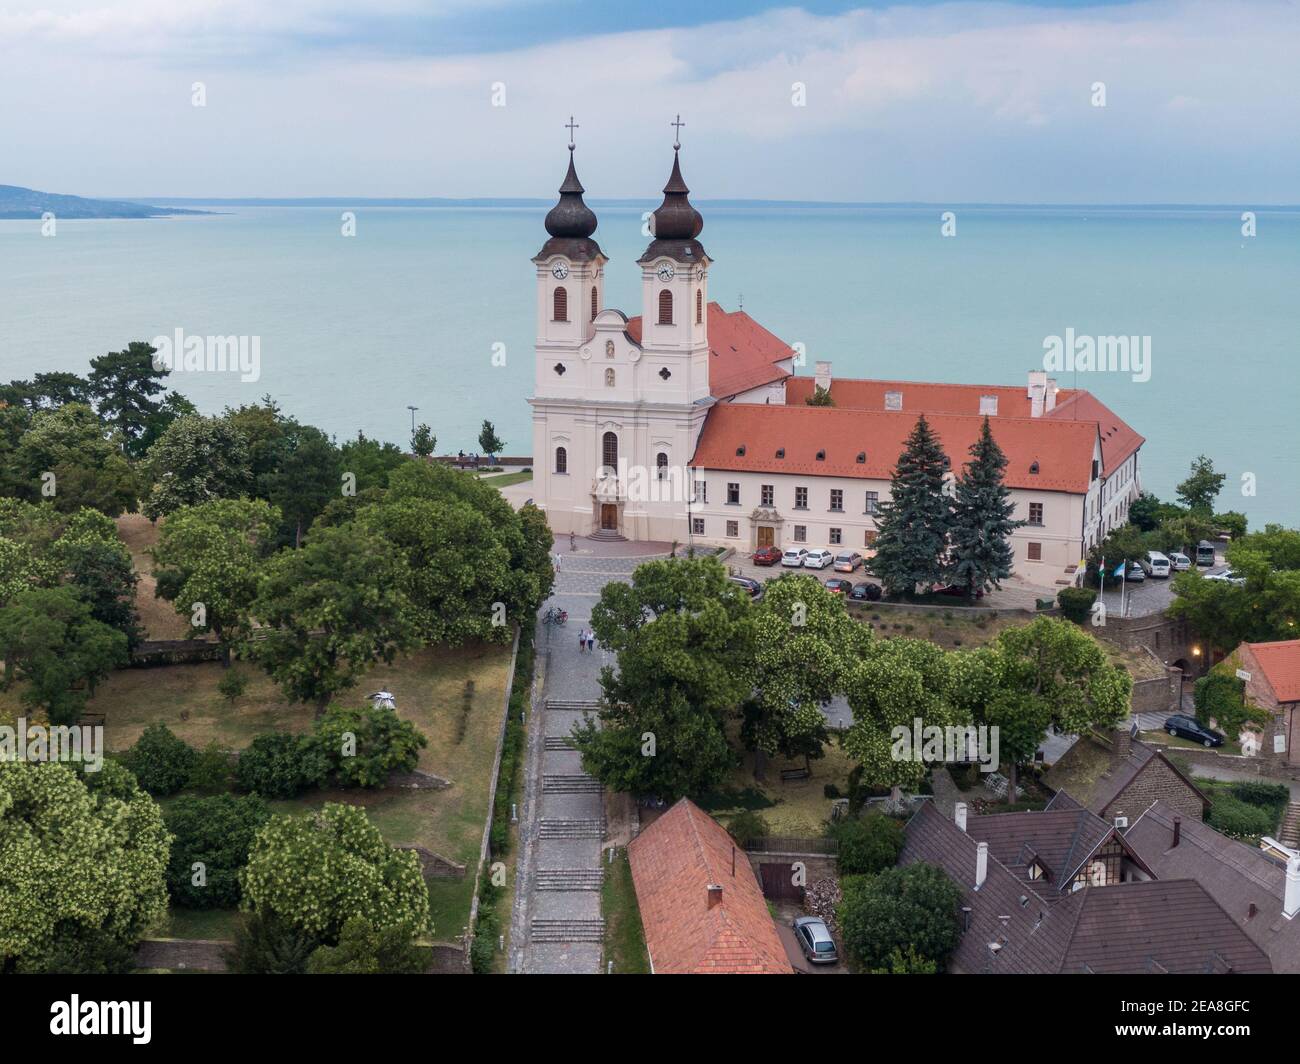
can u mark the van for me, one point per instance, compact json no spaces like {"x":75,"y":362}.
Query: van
{"x":1180,"y":563}
{"x":1156,"y":565}
{"x":1205,"y":553}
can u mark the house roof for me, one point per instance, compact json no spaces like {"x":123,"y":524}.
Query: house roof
{"x":674,"y":862}
{"x":1280,"y":663}
{"x":1063,"y":451}
{"x":1118,"y":439}
{"x":742,"y":354}
{"x":1237,"y":876}
{"x":918,"y":396}
{"x":1094,"y":777}
{"x":1132,"y":927}
{"x":1061,"y":840}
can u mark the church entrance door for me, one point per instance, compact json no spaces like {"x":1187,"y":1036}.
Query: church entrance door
{"x":765,"y":535}
{"x":609,"y":517}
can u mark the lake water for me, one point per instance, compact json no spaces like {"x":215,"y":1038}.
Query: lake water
{"x":408,"y":311}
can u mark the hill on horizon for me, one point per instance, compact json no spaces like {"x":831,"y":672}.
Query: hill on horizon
{"x":17,"y":203}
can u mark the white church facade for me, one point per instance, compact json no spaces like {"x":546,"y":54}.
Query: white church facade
{"x":688,"y":423}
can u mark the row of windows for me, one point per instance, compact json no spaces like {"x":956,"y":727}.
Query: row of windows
{"x":767,"y":497}
{"x":609,"y":457}
{"x":560,"y":305}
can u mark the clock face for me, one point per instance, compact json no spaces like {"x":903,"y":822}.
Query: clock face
{"x":666,"y":272}
{"x":560,"y":270}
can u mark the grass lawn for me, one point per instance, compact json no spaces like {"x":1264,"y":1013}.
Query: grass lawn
{"x":504,"y":480}
{"x":200,"y":923}
{"x":624,"y":936}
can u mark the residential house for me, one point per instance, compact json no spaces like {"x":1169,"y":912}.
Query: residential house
{"x":1271,"y":673}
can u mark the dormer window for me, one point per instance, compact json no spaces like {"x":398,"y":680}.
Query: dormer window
{"x":1033,"y":469}
{"x":862,"y":458}
{"x":740,"y":451}
{"x":893,"y":400}
{"x":821,"y":456}
{"x":989,"y":405}
{"x":780,"y":452}
{"x":1035,"y":870}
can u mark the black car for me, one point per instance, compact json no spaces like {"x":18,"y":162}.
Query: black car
{"x":752,"y":587}
{"x":838,"y":587}
{"x":865,"y":592}
{"x":1189,"y":728}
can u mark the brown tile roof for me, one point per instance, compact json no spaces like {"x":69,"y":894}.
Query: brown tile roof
{"x":1063,"y":451}
{"x":1133,"y":927}
{"x":1237,"y":876}
{"x":1281,"y":665}
{"x":742,"y":354}
{"x":1093,"y":776}
{"x":918,"y":396}
{"x":674,"y":862}
{"x":1118,"y":440}
{"x":1061,"y":839}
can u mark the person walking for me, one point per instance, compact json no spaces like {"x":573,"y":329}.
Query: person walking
{"x":582,"y":640}
{"x":591,"y":641}
{"x":559,"y":561}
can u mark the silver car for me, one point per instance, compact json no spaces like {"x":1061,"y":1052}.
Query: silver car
{"x":815,"y":939}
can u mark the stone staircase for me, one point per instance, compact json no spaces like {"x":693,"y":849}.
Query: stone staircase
{"x":585,"y":705}
{"x":1289,"y":835}
{"x":607,"y":535}
{"x":567,"y":930}
{"x":570,"y":783}
{"x":585,"y":828}
{"x":570,"y":878}
{"x":558,"y":742}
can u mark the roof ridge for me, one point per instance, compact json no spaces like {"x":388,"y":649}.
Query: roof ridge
{"x":1230,"y":857}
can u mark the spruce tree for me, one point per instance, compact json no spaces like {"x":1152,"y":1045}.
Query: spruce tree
{"x":913,"y":537}
{"x":981,"y":519}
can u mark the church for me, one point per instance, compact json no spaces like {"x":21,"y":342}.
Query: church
{"x":687,"y":423}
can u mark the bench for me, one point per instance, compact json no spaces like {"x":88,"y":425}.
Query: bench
{"x":788,"y":774}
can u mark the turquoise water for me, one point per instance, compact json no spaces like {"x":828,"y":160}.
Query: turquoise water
{"x":409,"y":310}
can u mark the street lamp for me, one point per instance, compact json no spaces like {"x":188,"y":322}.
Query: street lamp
{"x":412,"y":409}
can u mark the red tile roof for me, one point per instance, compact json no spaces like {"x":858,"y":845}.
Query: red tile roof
{"x":1280,"y":663}
{"x":1118,"y":440}
{"x":743,"y":355}
{"x":918,"y":396}
{"x":674,"y":862}
{"x":1063,"y":450}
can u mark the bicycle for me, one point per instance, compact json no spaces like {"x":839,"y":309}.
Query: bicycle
{"x":555,"y":616}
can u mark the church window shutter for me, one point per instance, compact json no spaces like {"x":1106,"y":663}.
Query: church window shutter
{"x":561,"y":312}
{"x":665,"y":307}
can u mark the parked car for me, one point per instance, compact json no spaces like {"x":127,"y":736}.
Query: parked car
{"x":1190,"y":728}
{"x":848,"y":562}
{"x":956,"y":591}
{"x":1179,"y":562}
{"x":837,"y":586}
{"x":815,"y":939}
{"x":766,"y":556}
{"x":865,"y":592}
{"x":818,"y":559}
{"x":1205,"y":553}
{"x":1155,"y":565}
{"x":1229,"y":576}
{"x":793,"y":557}
{"x":1136,"y":574}
{"x":752,"y":587}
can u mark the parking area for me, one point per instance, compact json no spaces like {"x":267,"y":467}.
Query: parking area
{"x":1150,"y":596}
{"x":781,"y":917}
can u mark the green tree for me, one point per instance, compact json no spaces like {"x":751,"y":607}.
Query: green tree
{"x":331,"y":611}
{"x":868,"y":844}
{"x":981,"y":519}
{"x":1264,"y":609}
{"x":172,"y":408}
{"x":315,"y":872}
{"x":266,"y":945}
{"x":489,"y":441}
{"x":93,"y":559}
{"x":820,"y":397}
{"x":914,"y":907}
{"x":1220,"y":702}
{"x":423,"y":441}
{"x":914,"y":523}
{"x":370,"y":461}
{"x":364,"y":746}
{"x":67,"y":456}
{"x":49,"y":639}
{"x":124,"y":384}
{"x":306,"y":477}
{"x":196,"y":460}
{"x":56,"y":388}
{"x":279,"y":765}
{"x":1201,"y":487}
{"x":161,"y":761}
{"x":215,"y":831}
{"x":79,"y":872}
{"x":906,"y":962}
{"x":366,"y":948}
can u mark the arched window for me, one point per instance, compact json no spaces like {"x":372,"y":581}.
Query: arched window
{"x":661,"y":465}
{"x":609,"y":378}
{"x":609,"y":451}
{"x":699,"y":306}
{"x":665,"y":307}
{"x":561,"y":304}
{"x":594,"y":308}
{"x":561,"y":460}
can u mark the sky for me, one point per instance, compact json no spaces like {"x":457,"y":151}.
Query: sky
{"x":931,"y":102}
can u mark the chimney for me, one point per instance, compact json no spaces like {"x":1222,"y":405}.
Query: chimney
{"x":1178,"y":832}
{"x":1252,"y":911}
{"x":1052,"y":389}
{"x":1037,"y":391}
{"x":982,"y":867}
{"x":959,"y":815}
{"x":1291,"y":900}
{"x":822,"y":375}
{"x":1123,"y":741}
{"x":715,"y":895}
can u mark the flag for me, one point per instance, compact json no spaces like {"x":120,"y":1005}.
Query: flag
{"x":1119,"y":569}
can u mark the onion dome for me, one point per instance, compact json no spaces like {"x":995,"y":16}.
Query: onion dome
{"x":676,"y":223}
{"x":570,"y":223}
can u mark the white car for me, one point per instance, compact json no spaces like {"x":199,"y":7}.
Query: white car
{"x":818,"y":559}
{"x":1228,"y":576}
{"x":1180,"y":562}
{"x":793,"y":557}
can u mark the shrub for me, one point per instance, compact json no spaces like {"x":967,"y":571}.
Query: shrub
{"x":215,"y":830}
{"x":1220,"y":697}
{"x":267,"y":945}
{"x":232,"y":685}
{"x":1271,"y":796}
{"x":362,"y":746}
{"x":280,"y":766}
{"x":907,"y":963}
{"x":161,"y":762}
{"x":364,"y":949}
{"x":212,"y":769}
{"x":868,"y":844}
{"x":1239,"y":820}
{"x":1076,"y":603}
{"x":746,"y":826}
{"x":900,"y":908}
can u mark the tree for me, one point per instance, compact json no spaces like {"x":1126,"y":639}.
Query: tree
{"x":906,"y":962}
{"x":368,"y":949}
{"x":913,"y":525}
{"x":370,"y":461}
{"x":1264,"y":609}
{"x":1220,"y":702}
{"x":315,"y":872}
{"x":215,"y":832}
{"x":279,"y":765}
{"x":306,"y":477}
{"x":914,"y":907}
{"x":489,"y":441}
{"x":820,"y":397}
{"x":124,"y":384}
{"x":93,"y":559}
{"x":266,"y":945}
{"x":364,"y":746}
{"x":55,"y":389}
{"x":173,"y":407}
{"x":1148,"y":512}
{"x":868,"y":844}
{"x":67,"y":456}
{"x":208,"y":561}
{"x":423,"y":441}
{"x":80,"y":873}
{"x":331,"y":611}
{"x":161,"y":761}
{"x":196,"y":460}
{"x":981,"y":519}
{"x":1202,"y":487}
{"x":49,"y":639}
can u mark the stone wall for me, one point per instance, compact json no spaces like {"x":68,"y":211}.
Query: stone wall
{"x":1156,"y":781}
{"x":817,"y":865}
